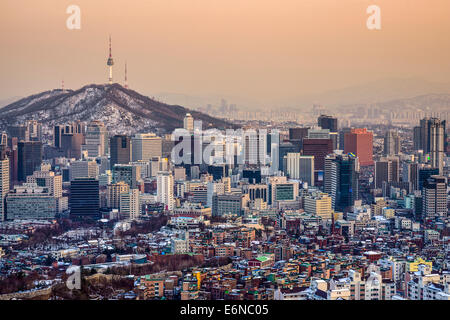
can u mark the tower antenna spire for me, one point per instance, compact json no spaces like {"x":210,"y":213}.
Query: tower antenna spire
{"x":126,"y":76}
{"x":110,"y":62}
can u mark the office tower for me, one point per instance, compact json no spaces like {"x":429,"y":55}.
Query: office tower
{"x":283,"y":191}
{"x":436,"y":143}
{"x":146,"y":146}
{"x":218,"y":171}
{"x":417,"y":138}
{"x":341,"y":180}
{"x":318,"y":133}
{"x":13,"y":154}
{"x":410,"y":173}
{"x":128,"y":173}
{"x":257,"y":191}
{"x":431,"y":137}
{"x":318,"y":203}
{"x":71,"y":144}
{"x":391,"y":143}
{"x":165,"y":189}
{"x":386,"y":170}
{"x":360,"y":143}
{"x":342,"y":133}
{"x":130,"y":204}
{"x":49,"y":180}
{"x":319,"y":148}
{"x":283,"y":150}
{"x":29,"y":158}
{"x":252,"y":174}
{"x":58,"y":131}
{"x":84,"y":198}
{"x":95,"y":139}
{"x":84,"y":169}
{"x":434,"y":197}
{"x":214,"y":188}
{"x":4,"y":184}
{"x":227,"y":204}
{"x":34,"y":129}
{"x":300,"y":167}
{"x":20,"y":132}
{"x":188,"y":122}
{"x":113,"y":192}
{"x":120,"y":150}
{"x":255,"y":147}
{"x":296,"y":136}
{"x":424,"y":174}
{"x":328,"y":122}
{"x":30,"y":201}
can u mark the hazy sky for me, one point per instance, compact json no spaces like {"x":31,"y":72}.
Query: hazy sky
{"x":266,"y":49}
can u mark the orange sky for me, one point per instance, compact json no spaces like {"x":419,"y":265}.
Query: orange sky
{"x":266,"y":49}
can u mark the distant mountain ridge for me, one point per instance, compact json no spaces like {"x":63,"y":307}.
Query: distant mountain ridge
{"x":122,"y":110}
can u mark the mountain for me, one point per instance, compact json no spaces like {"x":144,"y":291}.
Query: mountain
{"x":122,"y":110}
{"x":372,"y":92}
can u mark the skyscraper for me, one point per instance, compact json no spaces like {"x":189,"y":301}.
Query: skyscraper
{"x":188,"y":122}
{"x":328,"y":122}
{"x":391,"y":143}
{"x":95,"y":139}
{"x":360,"y":143}
{"x":120,"y":150}
{"x":4,"y":184}
{"x":435,"y":197}
{"x":84,"y":198}
{"x":436,"y":145}
{"x":130,"y":204}
{"x":146,"y":146}
{"x":165,"y":189}
{"x":29,"y":158}
{"x":341,"y":180}
{"x":300,"y":167}
{"x":319,"y":148}
{"x":386,"y":170}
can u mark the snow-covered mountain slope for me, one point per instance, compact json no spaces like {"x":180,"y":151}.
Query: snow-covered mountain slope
{"x":122,"y":110}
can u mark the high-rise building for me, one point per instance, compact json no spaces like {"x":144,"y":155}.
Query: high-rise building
{"x":319,"y":148}
{"x":431,"y":137}
{"x":386,"y":170}
{"x":341,"y":180}
{"x":71,"y":144}
{"x":30,"y":201}
{"x":96,"y":139}
{"x":318,"y":203}
{"x":113,"y":192}
{"x":4,"y":184}
{"x":29,"y":158}
{"x":436,"y":145}
{"x":283,"y":149}
{"x":84,"y":198}
{"x":130,"y":204}
{"x":300,"y":167}
{"x":165,"y":189}
{"x":391,"y":143}
{"x":410,"y":173}
{"x":328,"y":122}
{"x":120,"y":150}
{"x":146,"y":146}
{"x":425,"y":173}
{"x":128,"y":173}
{"x":435,"y":197}
{"x":255,"y":147}
{"x":360,"y":143}
{"x":188,"y":122}
{"x":84,"y":169}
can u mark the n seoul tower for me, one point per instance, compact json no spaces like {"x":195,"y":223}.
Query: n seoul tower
{"x":110,"y":63}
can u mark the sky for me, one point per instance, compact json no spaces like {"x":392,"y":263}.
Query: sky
{"x":264,"y":49}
